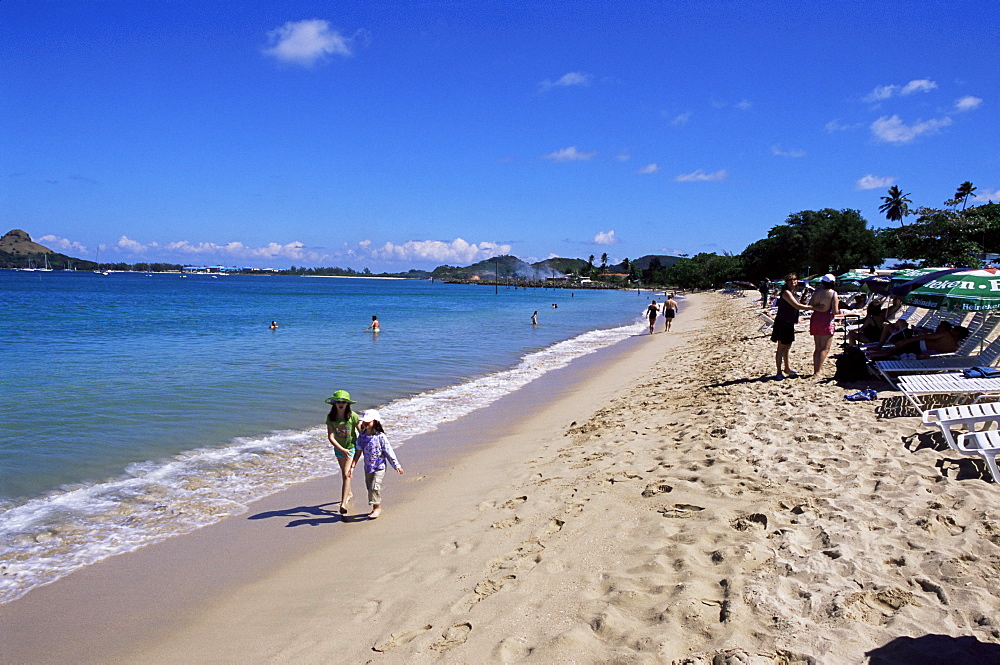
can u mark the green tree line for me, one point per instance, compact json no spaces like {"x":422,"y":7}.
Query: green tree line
{"x":814,"y":242}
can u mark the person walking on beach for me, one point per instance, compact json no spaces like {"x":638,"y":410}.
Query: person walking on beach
{"x":534,"y":318}
{"x":669,"y":311}
{"x":374,"y":326}
{"x":342,"y":432}
{"x":764,"y":287}
{"x":826,"y":306}
{"x":783,"y":329}
{"x":651,"y":313}
{"x":373,"y":444}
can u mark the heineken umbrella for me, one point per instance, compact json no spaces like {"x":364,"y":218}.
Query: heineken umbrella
{"x":877,"y":284}
{"x":901,"y":289}
{"x":961,"y":290}
{"x":909,"y":274}
{"x":853,"y":276}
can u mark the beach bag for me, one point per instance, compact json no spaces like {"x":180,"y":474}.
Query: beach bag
{"x":852,"y":365}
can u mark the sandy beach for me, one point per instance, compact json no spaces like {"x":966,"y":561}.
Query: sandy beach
{"x":657,"y":502}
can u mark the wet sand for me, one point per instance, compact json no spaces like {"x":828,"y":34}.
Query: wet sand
{"x":656,"y":502}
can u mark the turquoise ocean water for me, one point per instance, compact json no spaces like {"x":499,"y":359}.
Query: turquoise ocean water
{"x":135,"y":407}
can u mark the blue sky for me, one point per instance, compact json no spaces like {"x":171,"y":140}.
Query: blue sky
{"x":396,"y":135}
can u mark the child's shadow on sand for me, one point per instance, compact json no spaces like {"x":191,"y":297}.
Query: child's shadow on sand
{"x":311,"y":515}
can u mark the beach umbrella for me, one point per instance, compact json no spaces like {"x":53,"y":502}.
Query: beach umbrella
{"x":909,"y":274}
{"x":853,"y":276}
{"x":959,"y":290}
{"x":877,"y":284}
{"x":901,"y":289}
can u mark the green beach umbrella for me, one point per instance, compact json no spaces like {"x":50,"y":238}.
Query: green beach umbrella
{"x":853,"y":276}
{"x":907,"y":274}
{"x":970,"y":290}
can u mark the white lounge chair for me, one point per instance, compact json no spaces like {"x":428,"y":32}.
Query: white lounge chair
{"x":985,"y":444}
{"x":890,"y":369}
{"x":914,"y":386}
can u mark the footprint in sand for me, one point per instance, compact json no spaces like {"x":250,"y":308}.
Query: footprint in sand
{"x":507,"y":523}
{"x":455,"y":547}
{"x":653,"y":490}
{"x":399,"y":639}
{"x":749,"y":521}
{"x":681,"y":510}
{"x":515,"y":502}
{"x":453,"y":637}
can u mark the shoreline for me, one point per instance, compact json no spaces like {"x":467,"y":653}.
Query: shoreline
{"x":79,"y":593}
{"x":661,"y":501}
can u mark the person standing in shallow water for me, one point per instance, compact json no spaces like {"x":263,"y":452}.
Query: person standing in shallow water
{"x":374,"y":326}
{"x":342,"y":432}
{"x":783,"y":329}
{"x":534,"y":318}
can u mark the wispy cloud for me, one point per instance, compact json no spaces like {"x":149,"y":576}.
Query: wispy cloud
{"x":456,"y":251}
{"x":967,"y":103}
{"x":570,"y":154}
{"x":623,"y":156}
{"x":306,"y":42}
{"x":700,"y":175}
{"x":884,"y":92}
{"x":680,"y":119}
{"x":648,"y":169}
{"x":606,"y":238}
{"x":987,"y":195}
{"x":744,"y":105}
{"x":838,"y":126}
{"x":892,"y":129}
{"x":918,"y":85}
{"x":778,"y":151}
{"x":874,"y":182}
{"x":569,"y":80}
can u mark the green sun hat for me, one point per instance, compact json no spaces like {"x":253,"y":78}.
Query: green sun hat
{"x":340,"y":396}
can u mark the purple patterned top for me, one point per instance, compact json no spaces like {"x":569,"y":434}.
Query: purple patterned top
{"x":376,"y":450}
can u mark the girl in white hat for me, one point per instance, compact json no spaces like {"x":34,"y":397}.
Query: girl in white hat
{"x":373,"y":444}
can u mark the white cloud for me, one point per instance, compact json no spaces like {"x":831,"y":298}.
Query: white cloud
{"x":305,"y":42}
{"x":967,"y":103}
{"x":881,"y":93}
{"x":918,"y":85}
{"x":623,"y":156}
{"x":838,"y":126}
{"x":884,"y":92}
{"x":681,"y":119}
{"x":570,"y":154}
{"x":987,"y":195}
{"x":648,"y":169}
{"x":63,"y":244}
{"x":892,"y":129}
{"x":744,"y":105}
{"x":701,"y":175}
{"x":457,"y":251}
{"x":217,"y":252}
{"x":606,"y":238}
{"x":569,"y":80}
{"x":777,"y":151}
{"x":874,"y":182}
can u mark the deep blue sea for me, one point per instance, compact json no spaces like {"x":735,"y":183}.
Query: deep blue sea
{"x":135,"y":407}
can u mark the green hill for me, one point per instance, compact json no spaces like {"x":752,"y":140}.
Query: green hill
{"x":17,"y":250}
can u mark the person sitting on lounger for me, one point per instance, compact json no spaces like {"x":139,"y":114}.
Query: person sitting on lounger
{"x":945,"y":339}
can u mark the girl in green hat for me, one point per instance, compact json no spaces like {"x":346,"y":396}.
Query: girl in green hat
{"x":342,"y":431}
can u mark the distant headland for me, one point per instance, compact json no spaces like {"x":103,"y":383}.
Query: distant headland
{"x":18,"y":251}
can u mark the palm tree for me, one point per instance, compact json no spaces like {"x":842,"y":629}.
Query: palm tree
{"x":965,"y":190}
{"x":896,"y":205}
{"x":604,"y":260}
